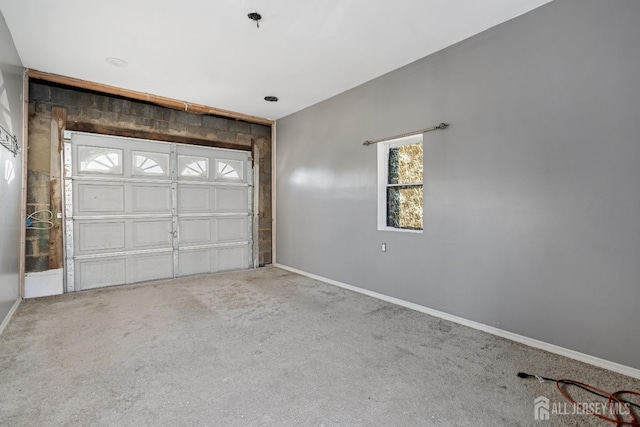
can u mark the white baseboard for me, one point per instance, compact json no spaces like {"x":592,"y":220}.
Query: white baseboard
{"x":6,"y":320}
{"x":552,"y":348}
{"x":44,"y":283}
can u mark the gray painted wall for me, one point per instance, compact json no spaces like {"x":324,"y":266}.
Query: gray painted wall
{"x":10,"y":192}
{"x":532,"y":200}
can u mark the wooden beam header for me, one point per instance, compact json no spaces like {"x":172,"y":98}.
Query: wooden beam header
{"x":141,"y":96}
{"x":155,"y":136}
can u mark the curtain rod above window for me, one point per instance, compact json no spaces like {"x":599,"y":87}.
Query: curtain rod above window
{"x":440,"y":126}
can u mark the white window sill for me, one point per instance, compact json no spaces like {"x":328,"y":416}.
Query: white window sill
{"x":399,"y":230}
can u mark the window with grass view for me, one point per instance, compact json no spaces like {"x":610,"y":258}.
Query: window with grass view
{"x":400,"y":201}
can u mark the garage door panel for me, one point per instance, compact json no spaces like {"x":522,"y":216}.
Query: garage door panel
{"x":231,"y":199}
{"x":97,"y":273}
{"x":232,"y":229}
{"x":103,"y":155}
{"x":195,"y":262}
{"x":150,"y":198}
{"x":119,"y":235}
{"x":196,"y":231}
{"x":217,"y":165}
{"x":194,"y":199}
{"x":232,"y":258}
{"x":151,"y":267}
{"x":149,"y":234}
{"x":100,"y":198}
{"x":100,"y":236}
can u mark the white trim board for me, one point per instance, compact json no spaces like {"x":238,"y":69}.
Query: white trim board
{"x":44,"y":283}
{"x":7,"y":319}
{"x":552,"y":348}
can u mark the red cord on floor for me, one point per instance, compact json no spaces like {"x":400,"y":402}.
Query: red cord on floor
{"x":618,"y":406}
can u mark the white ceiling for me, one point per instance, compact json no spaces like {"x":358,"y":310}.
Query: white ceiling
{"x":208,"y":52}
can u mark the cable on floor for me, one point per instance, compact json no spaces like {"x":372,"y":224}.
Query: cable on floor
{"x":617,"y":404}
{"x":40,"y":220}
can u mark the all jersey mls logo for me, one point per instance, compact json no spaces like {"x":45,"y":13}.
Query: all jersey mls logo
{"x":541,"y":408}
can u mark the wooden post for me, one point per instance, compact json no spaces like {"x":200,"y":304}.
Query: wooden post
{"x":58,"y":124}
{"x":255,"y":161}
{"x":25,"y":154}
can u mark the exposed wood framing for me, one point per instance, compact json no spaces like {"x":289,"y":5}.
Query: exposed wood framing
{"x":25,"y":153}
{"x":132,"y":133}
{"x":141,"y":96}
{"x":58,"y":123}
{"x":273,"y":191}
{"x":255,"y":166}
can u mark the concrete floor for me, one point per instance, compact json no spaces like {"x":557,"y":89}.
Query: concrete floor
{"x":266,"y":347}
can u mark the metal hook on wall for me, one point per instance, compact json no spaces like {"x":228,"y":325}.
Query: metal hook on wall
{"x":8,"y":141}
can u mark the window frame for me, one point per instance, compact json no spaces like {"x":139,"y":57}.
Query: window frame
{"x":98,"y":151}
{"x":184,"y":163}
{"x":383,"y":180}
{"x":153,"y":156}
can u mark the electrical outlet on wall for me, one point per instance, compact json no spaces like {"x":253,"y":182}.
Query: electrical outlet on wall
{"x":383,"y":247}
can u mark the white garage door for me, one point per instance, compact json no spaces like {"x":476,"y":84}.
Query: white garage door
{"x":140,"y":210}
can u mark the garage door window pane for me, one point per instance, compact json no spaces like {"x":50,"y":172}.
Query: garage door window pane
{"x":229,"y":169}
{"x":100,"y":160}
{"x":193,"y":167}
{"x":154,"y":164}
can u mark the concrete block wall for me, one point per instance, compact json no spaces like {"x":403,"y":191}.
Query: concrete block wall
{"x":111,"y":112}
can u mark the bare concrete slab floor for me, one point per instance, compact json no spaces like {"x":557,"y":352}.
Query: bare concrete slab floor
{"x":266,"y":347}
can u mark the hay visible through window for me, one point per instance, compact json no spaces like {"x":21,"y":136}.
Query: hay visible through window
{"x":403,"y":183}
